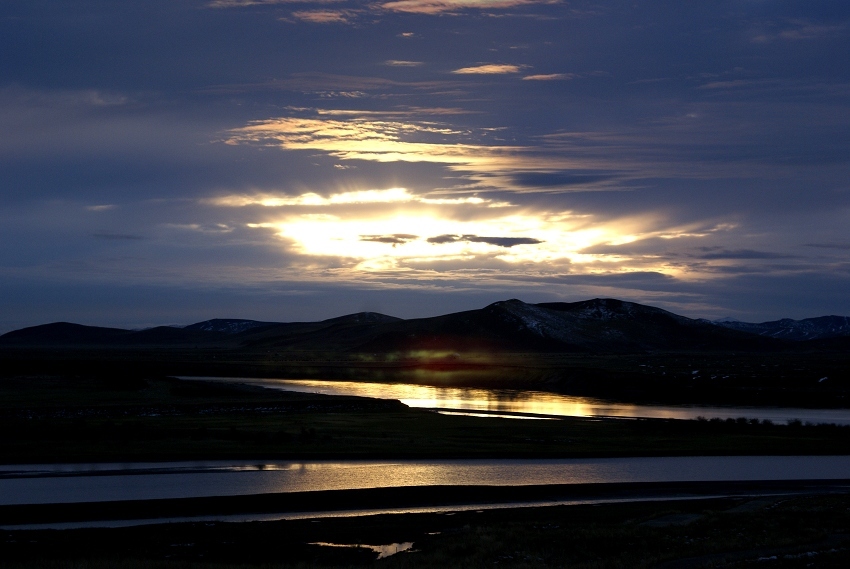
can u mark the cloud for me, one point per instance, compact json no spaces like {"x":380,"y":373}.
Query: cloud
{"x":402,"y":63}
{"x":312,"y":199}
{"x":395,"y":239}
{"x":317,"y":82}
{"x":488,"y":69}
{"x":382,"y":137}
{"x":839,"y":246}
{"x":804,"y":30}
{"x":718,"y":253}
{"x":211,"y":228}
{"x":690,"y":134}
{"x":453,"y":6}
{"x":80,"y":99}
{"x":796,"y":30}
{"x":565,"y":178}
{"x":371,"y":235}
{"x":731,"y":84}
{"x":248,"y":3}
{"x":324,"y":16}
{"x":550,"y":77}
{"x":507,"y":242}
{"x":359,"y":137}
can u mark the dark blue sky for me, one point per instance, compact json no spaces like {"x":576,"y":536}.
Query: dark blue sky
{"x":173,"y":161}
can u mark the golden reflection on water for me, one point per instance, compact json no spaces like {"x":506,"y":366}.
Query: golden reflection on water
{"x":495,"y":415}
{"x":382,"y":550}
{"x":467,"y":399}
{"x":491,"y":402}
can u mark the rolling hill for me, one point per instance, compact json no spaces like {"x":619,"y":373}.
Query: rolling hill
{"x":591,"y":326}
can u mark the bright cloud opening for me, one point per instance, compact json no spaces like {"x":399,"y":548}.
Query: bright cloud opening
{"x":422,"y":230}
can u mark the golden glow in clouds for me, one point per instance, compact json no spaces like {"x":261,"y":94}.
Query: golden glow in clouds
{"x":388,"y":229}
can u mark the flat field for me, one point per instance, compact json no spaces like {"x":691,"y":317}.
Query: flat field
{"x":97,"y":418}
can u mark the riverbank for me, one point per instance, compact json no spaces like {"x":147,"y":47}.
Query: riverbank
{"x":333,"y":503}
{"x":766,"y":531}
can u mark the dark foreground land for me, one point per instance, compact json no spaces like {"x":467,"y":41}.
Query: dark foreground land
{"x":107,"y":417}
{"x":102,"y":418}
{"x":764,"y":532}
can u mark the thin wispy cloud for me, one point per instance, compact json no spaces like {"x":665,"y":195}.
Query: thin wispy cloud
{"x":372,"y":139}
{"x":453,"y":6}
{"x":248,"y":3}
{"x":797,"y":30}
{"x":553,"y":163}
{"x":324,"y":16}
{"x":550,"y":77}
{"x":402,"y":63}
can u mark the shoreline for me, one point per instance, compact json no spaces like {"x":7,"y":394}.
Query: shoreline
{"x":395,"y":498}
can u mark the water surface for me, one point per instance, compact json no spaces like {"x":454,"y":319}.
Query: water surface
{"x":40,"y":484}
{"x":483,"y":402}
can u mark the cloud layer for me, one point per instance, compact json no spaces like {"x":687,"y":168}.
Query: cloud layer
{"x":418,"y":156}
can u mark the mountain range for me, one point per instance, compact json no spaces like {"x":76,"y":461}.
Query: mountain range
{"x":598,"y":325}
{"x":795,"y":330}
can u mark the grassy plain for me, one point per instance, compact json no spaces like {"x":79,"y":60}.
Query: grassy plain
{"x":61,"y":419}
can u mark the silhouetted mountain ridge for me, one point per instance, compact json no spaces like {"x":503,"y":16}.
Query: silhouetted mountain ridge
{"x":598,"y":325}
{"x":63,"y":332}
{"x":227,"y":325}
{"x":819,"y":328}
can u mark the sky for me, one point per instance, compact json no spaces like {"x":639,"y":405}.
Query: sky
{"x":171,"y":161}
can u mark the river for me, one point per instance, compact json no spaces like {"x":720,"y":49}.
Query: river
{"x":64,"y":483}
{"x":533,"y":404}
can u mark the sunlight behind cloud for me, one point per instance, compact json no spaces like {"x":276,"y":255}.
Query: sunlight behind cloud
{"x":421,"y":231}
{"x":459,"y":230}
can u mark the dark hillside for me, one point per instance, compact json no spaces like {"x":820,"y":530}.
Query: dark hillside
{"x":819,"y":328}
{"x":63,"y":333}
